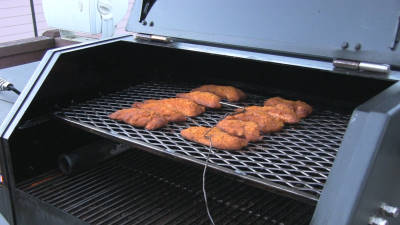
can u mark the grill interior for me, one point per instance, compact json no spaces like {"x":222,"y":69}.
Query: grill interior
{"x":139,"y":188}
{"x":295,"y":161}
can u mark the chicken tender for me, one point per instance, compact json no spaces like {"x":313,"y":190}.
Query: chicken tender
{"x":279,"y":111}
{"x":301,"y":108}
{"x":168,"y":113}
{"x":219,"y":139}
{"x":139,"y":118}
{"x":185,"y":106}
{"x":227,"y":92}
{"x":266,"y":123}
{"x":206,"y":99}
{"x":239,"y":128}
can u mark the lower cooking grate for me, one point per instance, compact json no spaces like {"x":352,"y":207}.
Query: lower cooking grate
{"x":295,"y":161}
{"x":138,"y":188}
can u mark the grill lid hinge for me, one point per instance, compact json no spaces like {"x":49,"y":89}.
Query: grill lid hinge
{"x":152,"y":37}
{"x":361,"y":66}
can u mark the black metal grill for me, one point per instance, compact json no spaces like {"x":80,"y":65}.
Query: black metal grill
{"x":138,"y":188}
{"x":295,"y":161}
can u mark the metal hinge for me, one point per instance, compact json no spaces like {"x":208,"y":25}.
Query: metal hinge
{"x":152,"y":37}
{"x":361,"y":66}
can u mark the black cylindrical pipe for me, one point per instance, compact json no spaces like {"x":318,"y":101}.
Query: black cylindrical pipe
{"x":88,"y":156}
{"x":33,"y":18}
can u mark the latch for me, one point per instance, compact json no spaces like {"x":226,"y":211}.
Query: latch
{"x":152,"y":37}
{"x":361,"y":66}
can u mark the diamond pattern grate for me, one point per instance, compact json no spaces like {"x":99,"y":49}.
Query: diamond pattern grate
{"x":295,"y":161}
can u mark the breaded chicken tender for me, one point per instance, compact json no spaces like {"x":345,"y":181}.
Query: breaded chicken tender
{"x":266,"y":123}
{"x":301,"y":108}
{"x":169,"y":113}
{"x":239,"y":128}
{"x":227,"y":92}
{"x":279,"y":111}
{"x":185,"y":106}
{"x":206,"y":99}
{"x":219,"y":139}
{"x":139,"y":118}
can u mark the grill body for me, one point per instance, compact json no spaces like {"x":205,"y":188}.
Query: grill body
{"x":328,"y":167}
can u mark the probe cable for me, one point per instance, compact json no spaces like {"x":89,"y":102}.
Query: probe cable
{"x":208,"y":158}
{"x":7,"y":86}
{"x":204,"y":179}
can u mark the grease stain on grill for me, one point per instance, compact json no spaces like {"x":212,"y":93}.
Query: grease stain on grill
{"x":308,"y":148}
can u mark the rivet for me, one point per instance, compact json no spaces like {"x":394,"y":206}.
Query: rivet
{"x":390,"y":211}
{"x":358,"y":46}
{"x":151,"y":23}
{"x":377,"y":221}
{"x":144,"y":23}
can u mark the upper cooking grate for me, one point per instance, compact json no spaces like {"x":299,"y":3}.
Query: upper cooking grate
{"x":295,"y":161}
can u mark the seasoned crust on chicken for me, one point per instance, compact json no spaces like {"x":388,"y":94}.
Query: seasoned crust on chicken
{"x":219,"y":139}
{"x":266,"y":123}
{"x":185,"y":106}
{"x":139,"y":118}
{"x":301,"y":108}
{"x":279,"y":111}
{"x":206,"y":99}
{"x":168,"y":113}
{"x":239,"y":128}
{"x":227,"y":92}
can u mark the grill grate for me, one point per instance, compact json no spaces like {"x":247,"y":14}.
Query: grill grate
{"x":138,"y":188}
{"x":295,"y":161}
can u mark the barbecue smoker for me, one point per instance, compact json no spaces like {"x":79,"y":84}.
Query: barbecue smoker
{"x":338,"y":166}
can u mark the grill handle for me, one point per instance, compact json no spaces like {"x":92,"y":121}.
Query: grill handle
{"x":88,"y":156}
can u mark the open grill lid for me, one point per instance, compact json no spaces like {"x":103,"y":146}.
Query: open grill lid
{"x":360,"y":30}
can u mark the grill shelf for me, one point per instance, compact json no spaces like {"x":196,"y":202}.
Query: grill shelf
{"x":293,"y":162}
{"x":138,"y":188}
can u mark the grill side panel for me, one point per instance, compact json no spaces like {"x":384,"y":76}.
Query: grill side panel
{"x":365,"y":171}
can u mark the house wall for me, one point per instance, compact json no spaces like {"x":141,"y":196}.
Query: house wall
{"x":16,"y":20}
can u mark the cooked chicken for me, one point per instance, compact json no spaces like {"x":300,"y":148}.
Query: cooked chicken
{"x":169,"y":113}
{"x":227,"y":92}
{"x":206,"y":99}
{"x":301,"y":108}
{"x":139,"y":118}
{"x":279,"y":111}
{"x":239,"y":128}
{"x":266,"y":123}
{"x":218,"y":138}
{"x":185,"y":106}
